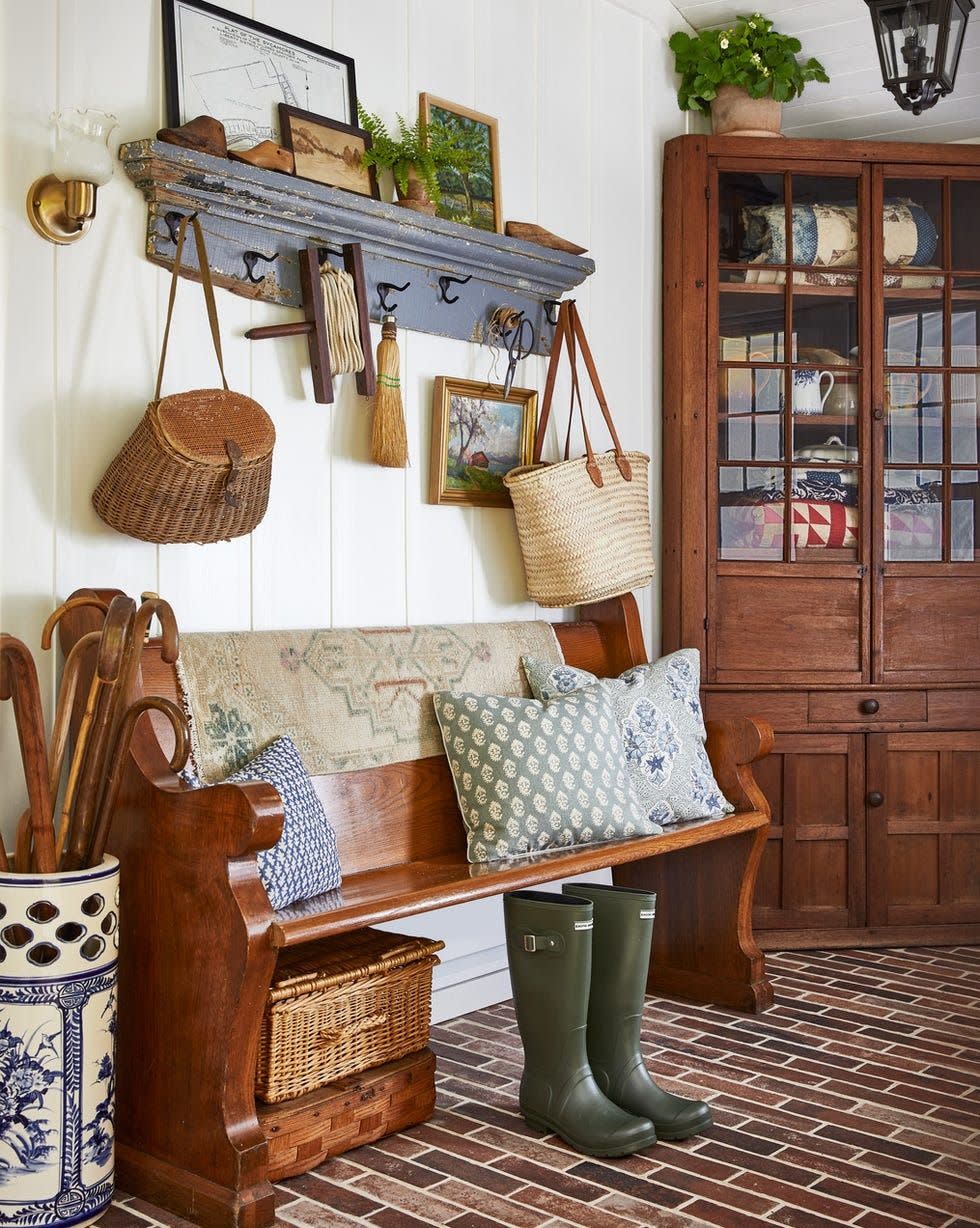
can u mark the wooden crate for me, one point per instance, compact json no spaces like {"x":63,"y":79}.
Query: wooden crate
{"x":301,"y":1133}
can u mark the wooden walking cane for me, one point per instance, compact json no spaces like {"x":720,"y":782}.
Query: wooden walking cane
{"x":85,"y":773}
{"x":120,"y":753}
{"x":18,"y":681}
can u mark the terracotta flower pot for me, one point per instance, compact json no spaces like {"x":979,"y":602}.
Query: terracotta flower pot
{"x":735,"y":113}
{"x":417,"y":197}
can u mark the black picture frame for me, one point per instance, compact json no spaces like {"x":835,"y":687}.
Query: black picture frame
{"x":290,"y":118}
{"x":179,"y":110}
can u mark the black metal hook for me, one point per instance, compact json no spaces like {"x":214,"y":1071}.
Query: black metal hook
{"x":251,"y":259}
{"x":384,"y":289}
{"x":172,"y":220}
{"x":445,"y":281}
{"x":326,"y":250}
{"x":551,"y":308}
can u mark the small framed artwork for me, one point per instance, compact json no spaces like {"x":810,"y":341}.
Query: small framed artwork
{"x":471,"y":195}
{"x":327,"y":151}
{"x":237,"y":70}
{"x":478,"y":434}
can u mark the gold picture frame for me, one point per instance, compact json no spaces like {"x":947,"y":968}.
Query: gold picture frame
{"x":464,"y":198}
{"x":469,"y":413}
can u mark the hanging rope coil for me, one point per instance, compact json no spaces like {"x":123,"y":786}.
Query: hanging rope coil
{"x":340,"y":308}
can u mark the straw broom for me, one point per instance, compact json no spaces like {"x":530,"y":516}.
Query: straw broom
{"x":389,"y":442}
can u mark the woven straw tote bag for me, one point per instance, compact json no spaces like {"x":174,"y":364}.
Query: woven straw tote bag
{"x":199,"y":465}
{"x":583,"y":523}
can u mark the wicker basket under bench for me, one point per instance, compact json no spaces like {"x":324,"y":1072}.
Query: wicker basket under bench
{"x":345,"y":1030}
{"x":200,"y":943}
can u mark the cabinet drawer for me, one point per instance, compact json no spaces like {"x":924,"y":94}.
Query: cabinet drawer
{"x":954,"y":709}
{"x":781,"y":710}
{"x":852,"y":707}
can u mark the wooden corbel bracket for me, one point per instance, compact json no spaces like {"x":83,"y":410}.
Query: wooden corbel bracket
{"x":314,"y":327}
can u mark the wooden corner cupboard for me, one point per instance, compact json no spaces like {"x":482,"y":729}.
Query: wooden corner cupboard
{"x":821,"y":508}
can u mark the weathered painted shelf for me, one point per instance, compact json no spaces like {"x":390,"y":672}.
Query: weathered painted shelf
{"x":273,"y":216}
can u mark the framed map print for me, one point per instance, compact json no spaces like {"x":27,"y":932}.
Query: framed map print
{"x":238,"y":71}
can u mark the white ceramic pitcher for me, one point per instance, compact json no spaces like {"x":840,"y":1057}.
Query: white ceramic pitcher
{"x":807,"y":384}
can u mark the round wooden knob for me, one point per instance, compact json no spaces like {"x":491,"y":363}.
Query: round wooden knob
{"x":875,"y":798}
{"x":869,"y":706}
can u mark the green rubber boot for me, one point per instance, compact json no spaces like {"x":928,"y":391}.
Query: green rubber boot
{"x":549,"y":950}
{"x":620,"y":961}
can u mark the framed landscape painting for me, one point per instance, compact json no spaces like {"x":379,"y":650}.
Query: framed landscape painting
{"x":478,"y":434}
{"x":470,"y":195}
{"x":327,"y":151}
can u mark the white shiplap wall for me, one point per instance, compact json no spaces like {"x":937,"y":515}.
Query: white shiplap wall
{"x":854,"y":105}
{"x":584,"y":94}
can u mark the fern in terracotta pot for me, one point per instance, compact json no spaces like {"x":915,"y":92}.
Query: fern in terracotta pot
{"x":743,"y":73}
{"x":415,"y":157}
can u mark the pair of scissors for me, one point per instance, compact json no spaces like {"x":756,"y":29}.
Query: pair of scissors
{"x":519,"y":346}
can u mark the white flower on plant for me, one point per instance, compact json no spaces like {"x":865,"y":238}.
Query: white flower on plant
{"x":724,"y":44}
{"x":756,"y":58}
{"x":765,"y":72}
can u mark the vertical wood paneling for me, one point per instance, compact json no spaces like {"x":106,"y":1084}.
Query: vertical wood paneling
{"x":27,"y":488}
{"x":291,"y":547}
{"x":106,"y":337}
{"x":368,"y":551}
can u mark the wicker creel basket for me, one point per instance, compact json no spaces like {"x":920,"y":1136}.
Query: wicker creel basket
{"x":343,"y":1005}
{"x":198,"y":467}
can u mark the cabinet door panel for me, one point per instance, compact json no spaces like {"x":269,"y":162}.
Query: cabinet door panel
{"x":931,"y":624}
{"x":812,"y":874}
{"x":924,"y":837}
{"x":778,"y":624}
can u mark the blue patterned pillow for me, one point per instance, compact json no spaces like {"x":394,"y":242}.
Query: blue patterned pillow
{"x":659,"y":714}
{"x":304,"y":861}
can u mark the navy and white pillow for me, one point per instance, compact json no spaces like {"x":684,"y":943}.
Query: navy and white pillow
{"x":659,"y":714}
{"x":304,"y":862}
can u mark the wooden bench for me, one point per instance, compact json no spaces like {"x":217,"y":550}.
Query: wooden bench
{"x":199,"y":940}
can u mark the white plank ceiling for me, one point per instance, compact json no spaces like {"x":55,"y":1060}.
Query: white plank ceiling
{"x":854,"y":105}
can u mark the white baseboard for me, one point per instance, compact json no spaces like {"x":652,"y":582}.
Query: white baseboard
{"x":469,"y":983}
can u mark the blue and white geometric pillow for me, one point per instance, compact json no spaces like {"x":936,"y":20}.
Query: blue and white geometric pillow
{"x":304,"y":862}
{"x":659,"y":714}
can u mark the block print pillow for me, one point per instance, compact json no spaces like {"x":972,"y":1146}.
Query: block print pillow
{"x":659,"y":714}
{"x":304,"y":862}
{"x":533,"y":775}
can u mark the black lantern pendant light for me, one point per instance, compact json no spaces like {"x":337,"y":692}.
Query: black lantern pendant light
{"x":919,"y":43}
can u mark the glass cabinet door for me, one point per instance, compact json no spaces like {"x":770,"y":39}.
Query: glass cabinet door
{"x":931,"y":320}
{"x":789,"y":366}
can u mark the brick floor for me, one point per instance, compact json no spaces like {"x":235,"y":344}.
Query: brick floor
{"x":853,"y":1101}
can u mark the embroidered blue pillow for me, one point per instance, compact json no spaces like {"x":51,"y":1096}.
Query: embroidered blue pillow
{"x":304,"y":861}
{"x":659,"y":714}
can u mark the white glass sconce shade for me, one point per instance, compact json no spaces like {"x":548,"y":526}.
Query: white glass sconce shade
{"x":82,"y":152}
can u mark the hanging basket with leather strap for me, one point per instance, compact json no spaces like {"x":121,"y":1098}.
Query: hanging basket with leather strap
{"x":199,"y":465}
{"x":583,"y":523}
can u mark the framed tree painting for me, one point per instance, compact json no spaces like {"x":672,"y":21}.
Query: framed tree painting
{"x":478,"y":434}
{"x":471,"y":194}
{"x":237,"y":70}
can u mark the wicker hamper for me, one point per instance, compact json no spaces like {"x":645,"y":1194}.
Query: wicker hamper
{"x":343,"y":1005}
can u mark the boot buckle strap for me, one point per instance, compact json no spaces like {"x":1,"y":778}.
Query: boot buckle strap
{"x":543,"y":942}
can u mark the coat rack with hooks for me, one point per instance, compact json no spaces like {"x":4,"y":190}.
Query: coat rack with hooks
{"x":260,"y":223}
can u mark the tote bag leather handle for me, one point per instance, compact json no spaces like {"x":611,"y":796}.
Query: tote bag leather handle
{"x":202,"y":262}
{"x":568,"y":332}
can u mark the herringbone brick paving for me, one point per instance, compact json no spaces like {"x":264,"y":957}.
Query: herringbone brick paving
{"x":855,"y":1100}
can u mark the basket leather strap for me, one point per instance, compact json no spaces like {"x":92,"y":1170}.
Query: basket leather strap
{"x":202,"y":264}
{"x":577,"y":330}
{"x":569,"y":332}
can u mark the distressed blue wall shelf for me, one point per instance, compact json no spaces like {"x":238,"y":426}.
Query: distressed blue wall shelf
{"x":264,"y":214}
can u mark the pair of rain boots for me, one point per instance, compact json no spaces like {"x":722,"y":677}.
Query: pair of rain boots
{"x":578,"y":967}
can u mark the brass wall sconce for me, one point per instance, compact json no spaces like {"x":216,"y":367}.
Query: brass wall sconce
{"x":61,"y":206}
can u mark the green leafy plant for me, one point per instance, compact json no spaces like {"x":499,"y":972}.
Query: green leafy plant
{"x":749,"y":53}
{"x":429,"y":148}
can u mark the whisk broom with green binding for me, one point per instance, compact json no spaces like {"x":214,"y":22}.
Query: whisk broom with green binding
{"x":389,"y":442}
